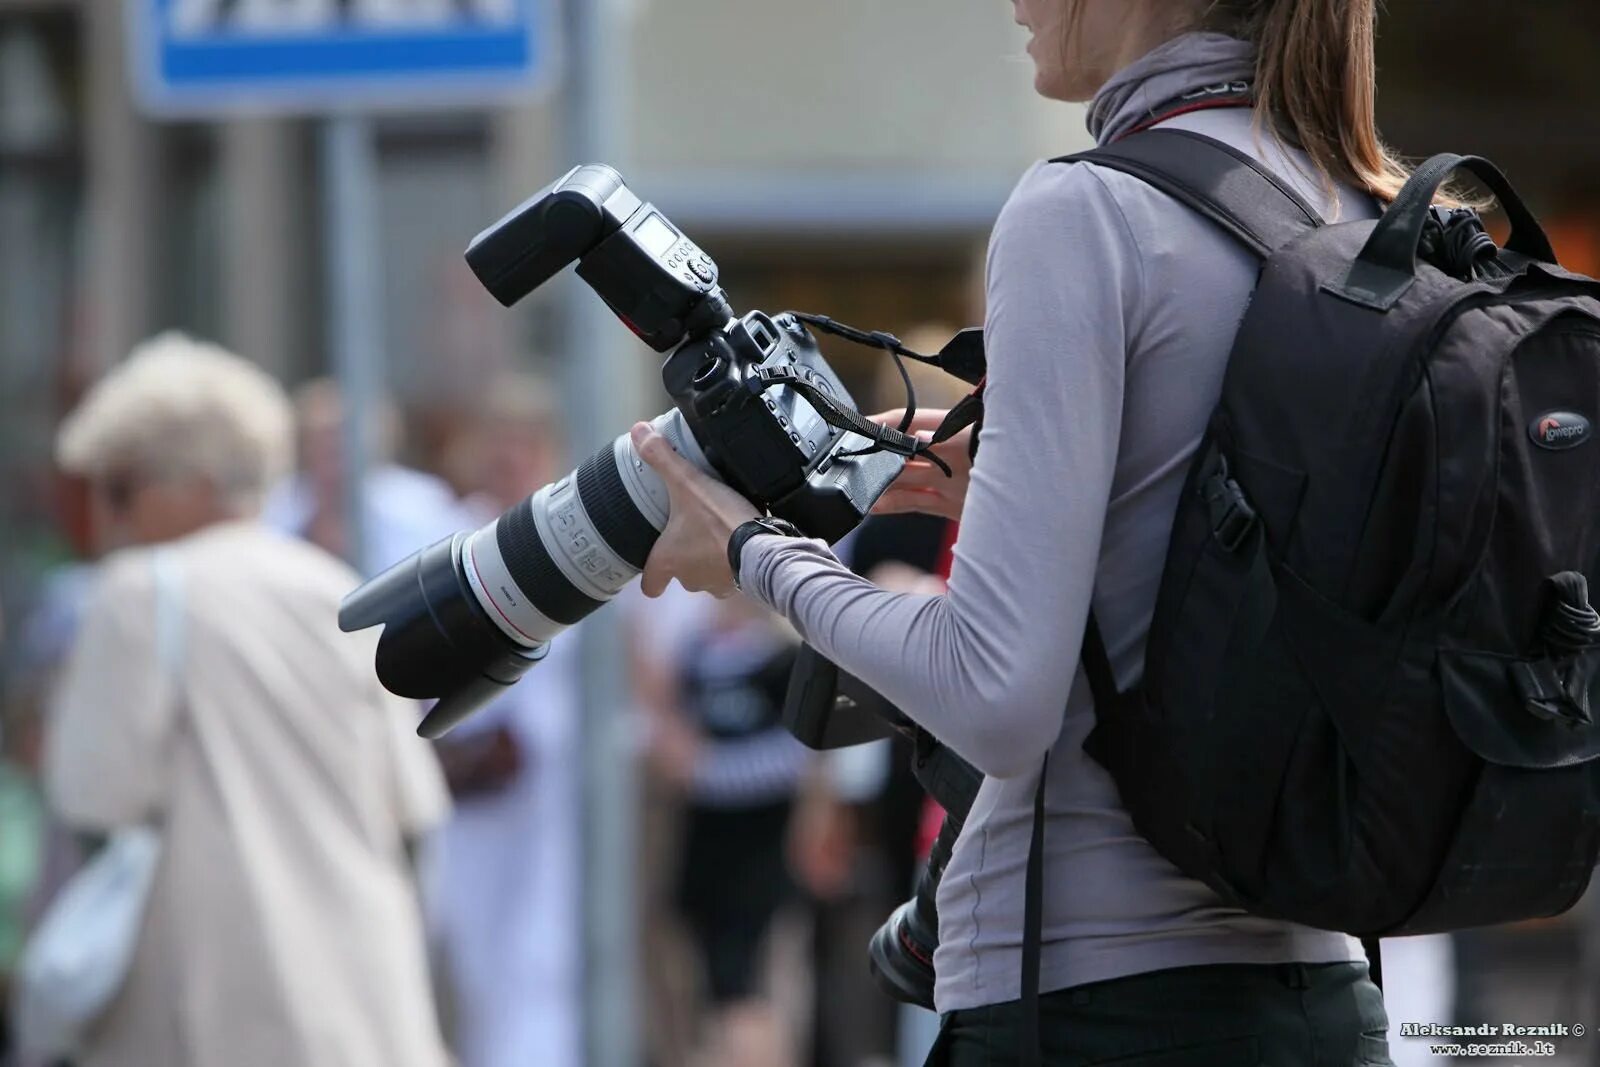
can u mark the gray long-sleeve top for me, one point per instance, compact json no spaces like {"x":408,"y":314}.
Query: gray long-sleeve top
{"x":1111,"y":312}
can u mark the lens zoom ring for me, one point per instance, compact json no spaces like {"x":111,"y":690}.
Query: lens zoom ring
{"x":616,"y":518}
{"x":535,"y":573}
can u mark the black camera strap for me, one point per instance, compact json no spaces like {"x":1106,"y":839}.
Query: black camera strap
{"x":969,"y":412}
{"x":962,"y":357}
{"x":883,"y":438}
{"x":1030,"y":1051}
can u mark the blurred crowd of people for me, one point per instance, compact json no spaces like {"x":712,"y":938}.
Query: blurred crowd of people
{"x":333,"y":889}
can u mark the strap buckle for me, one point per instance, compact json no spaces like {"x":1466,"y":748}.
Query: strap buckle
{"x":1553,"y":692}
{"x":1232,"y":517}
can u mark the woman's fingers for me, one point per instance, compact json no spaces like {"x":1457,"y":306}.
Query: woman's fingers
{"x":705,"y":512}
{"x":925,"y":419}
{"x":924,"y":488}
{"x":895,"y":504}
{"x":914,"y":501}
{"x":922,"y":476}
{"x":656,"y":577}
{"x":912,"y":493}
{"x":657,"y":451}
{"x":674,"y":470}
{"x":924,"y":424}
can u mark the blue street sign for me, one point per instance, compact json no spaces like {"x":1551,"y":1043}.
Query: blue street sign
{"x":204,"y":57}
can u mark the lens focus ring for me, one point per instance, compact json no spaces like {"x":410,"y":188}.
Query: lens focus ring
{"x":617,"y":519}
{"x":535,"y":573}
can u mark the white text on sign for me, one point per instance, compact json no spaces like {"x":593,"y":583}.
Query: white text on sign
{"x":198,"y":18}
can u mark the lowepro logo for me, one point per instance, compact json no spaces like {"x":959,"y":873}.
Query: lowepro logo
{"x":1559,"y":430}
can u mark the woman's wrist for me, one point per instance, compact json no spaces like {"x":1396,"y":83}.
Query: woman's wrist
{"x":743,"y":533}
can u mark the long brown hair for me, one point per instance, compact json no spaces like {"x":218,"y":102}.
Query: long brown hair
{"x":1316,"y":82}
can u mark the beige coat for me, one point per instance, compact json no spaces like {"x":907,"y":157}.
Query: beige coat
{"x":283,"y":929}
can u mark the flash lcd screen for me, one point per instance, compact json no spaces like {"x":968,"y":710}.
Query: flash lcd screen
{"x":656,"y":235}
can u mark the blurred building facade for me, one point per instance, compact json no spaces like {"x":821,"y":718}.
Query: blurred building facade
{"x":835,"y":155}
{"x":746,"y":124}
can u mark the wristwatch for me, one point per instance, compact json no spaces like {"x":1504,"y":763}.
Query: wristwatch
{"x":746,"y":530}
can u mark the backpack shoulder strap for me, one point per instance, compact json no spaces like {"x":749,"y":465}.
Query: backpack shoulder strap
{"x":1214,"y":179}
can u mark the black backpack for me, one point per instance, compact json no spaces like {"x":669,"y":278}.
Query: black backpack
{"x":1373,"y":675}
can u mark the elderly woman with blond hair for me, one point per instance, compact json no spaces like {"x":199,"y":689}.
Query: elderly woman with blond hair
{"x":283,"y":927}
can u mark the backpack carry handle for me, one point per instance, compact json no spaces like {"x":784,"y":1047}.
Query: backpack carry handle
{"x":1387,"y":265}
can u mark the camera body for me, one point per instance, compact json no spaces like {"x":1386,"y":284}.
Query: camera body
{"x":764,"y":439}
{"x":466,"y":618}
{"x":770,"y":444}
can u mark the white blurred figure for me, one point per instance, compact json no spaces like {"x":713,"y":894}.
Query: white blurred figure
{"x":283,"y":926}
{"x":403,"y":510}
{"x":504,"y":905}
{"x":1419,"y":986}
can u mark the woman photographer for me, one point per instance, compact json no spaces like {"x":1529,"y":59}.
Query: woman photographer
{"x":1111,"y":312}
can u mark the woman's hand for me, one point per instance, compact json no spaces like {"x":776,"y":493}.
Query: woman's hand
{"x":922,"y":487}
{"x":694,"y":546}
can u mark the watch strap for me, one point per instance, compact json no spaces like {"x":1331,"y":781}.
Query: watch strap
{"x":751,"y":528}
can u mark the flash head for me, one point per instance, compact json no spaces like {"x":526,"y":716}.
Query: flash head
{"x":548,"y":231}
{"x":656,"y":280}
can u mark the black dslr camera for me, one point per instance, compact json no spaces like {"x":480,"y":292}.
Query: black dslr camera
{"x":756,"y":406}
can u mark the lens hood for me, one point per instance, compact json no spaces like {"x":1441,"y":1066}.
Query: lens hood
{"x":437,"y":642}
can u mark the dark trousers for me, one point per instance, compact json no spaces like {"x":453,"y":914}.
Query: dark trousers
{"x":1227,"y":1015}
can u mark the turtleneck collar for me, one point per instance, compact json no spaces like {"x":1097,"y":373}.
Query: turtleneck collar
{"x":1185,"y":63}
